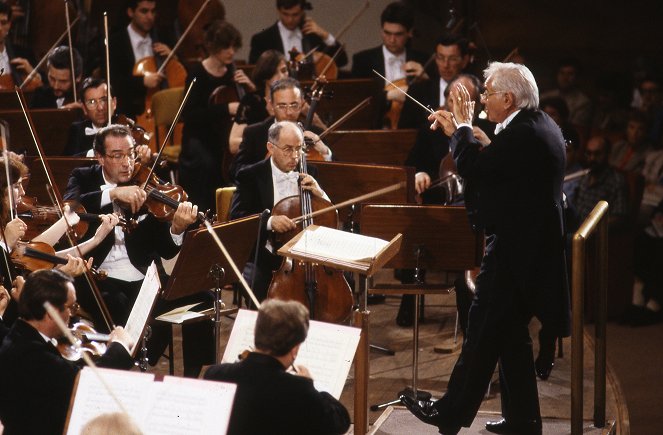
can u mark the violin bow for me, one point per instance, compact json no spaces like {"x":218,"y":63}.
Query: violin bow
{"x":4,"y":130}
{"x":350,"y":23}
{"x":35,"y":70}
{"x":225,"y":253}
{"x":109,"y":105}
{"x":427,"y":109}
{"x":57,"y":200}
{"x":71,"y":50}
{"x":363,"y":103}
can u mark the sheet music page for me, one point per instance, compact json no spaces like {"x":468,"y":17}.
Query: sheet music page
{"x":191,"y":406}
{"x":143,"y":305}
{"x":327,"y":352}
{"x":331,"y":243}
{"x":92,"y":398}
{"x":180,"y":314}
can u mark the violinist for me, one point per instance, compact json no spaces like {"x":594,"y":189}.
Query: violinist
{"x":288,"y":105}
{"x":394,"y":59}
{"x":253,"y":107}
{"x":202,"y":144}
{"x":94,"y":96}
{"x":295,"y":30}
{"x":260,"y":186}
{"x":129,"y":45}
{"x":107,"y":187}
{"x":14,"y":60}
{"x":59,"y":92}
{"x":270,"y":399}
{"x":35,"y":381}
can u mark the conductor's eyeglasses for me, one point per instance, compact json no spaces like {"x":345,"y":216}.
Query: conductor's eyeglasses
{"x":94,"y":102}
{"x":486,"y":94}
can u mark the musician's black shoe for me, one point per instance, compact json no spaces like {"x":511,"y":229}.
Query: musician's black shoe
{"x":426,"y":412}
{"x":502,"y":426}
{"x":545,"y":362}
{"x":405,"y":317}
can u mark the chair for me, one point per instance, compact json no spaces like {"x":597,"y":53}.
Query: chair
{"x":165,"y":104}
{"x":223,"y":197}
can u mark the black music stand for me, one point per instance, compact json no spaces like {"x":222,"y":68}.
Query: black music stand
{"x":434,"y":238}
{"x":201,"y":264}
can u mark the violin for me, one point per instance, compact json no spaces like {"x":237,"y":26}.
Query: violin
{"x":33,"y":256}
{"x":89,"y":341}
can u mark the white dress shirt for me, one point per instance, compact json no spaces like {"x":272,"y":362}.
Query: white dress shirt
{"x":393,"y":65}
{"x":290,"y":38}
{"x":4,"y":62}
{"x":443,"y":87}
{"x":141,"y":46}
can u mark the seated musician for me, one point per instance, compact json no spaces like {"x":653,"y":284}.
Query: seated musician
{"x":129,"y":45}
{"x":36,"y":382}
{"x":295,"y":30}
{"x":287,"y":102}
{"x":107,"y":187}
{"x":262,"y":185}
{"x":15,"y":61}
{"x":270,"y":67}
{"x":58,"y":92}
{"x":269,"y":399}
{"x":94,"y":96}
{"x":207,"y":114}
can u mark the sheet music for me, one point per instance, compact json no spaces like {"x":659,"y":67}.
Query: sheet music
{"x":331,"y":243}
{"x":140,"y":312}
{"x":327,"y":352}
{"x":175,"y":406}
{"x":180,"y":314}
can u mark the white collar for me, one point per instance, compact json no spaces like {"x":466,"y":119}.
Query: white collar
{"x":389,"y":55}
{"x":135,"y":37}
{"x":279,"y":174}
{"x":502,"y":125}
{"x":285,"y":31}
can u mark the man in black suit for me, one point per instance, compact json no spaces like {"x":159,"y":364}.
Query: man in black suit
{"x":288,"y":104}
{"x":59,"y":92}
{"x":264,"y":184}
{"x":393,"y":59}
{"x":125,"y":256}
{"x":35,"y":381}
{"x":513,"y":192}
{"x":269,"y":399}
{"x":129,"y":45}
{"x":295,"y":30}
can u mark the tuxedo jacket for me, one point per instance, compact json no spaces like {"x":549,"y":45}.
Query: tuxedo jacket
{"x":514,"y":191}
{"x":270,"y":39}
{"x":151,"y":236}
{"x":78,"y":143}
{"x":44,"y":98}
{"x":364,"y":62}
{"x":36,"y":382}
{"x":269,"y":400}
{"x":14,"y":51}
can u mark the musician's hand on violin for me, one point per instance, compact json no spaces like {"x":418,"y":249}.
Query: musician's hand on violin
{"x":309,"y":183}
{"x":421,"y":182}
{"x":70,"y":216}
{"x":4,"y":300}
{"x":133,"y":196}
{"x":396,"y":95}
{"x":14,"y":231}
{"x":241,"y":78}
{"x":161,"y":49}
{"x":22,"y":64}
{"x":120,"y":335}
{"x":282,"y":224}
{"x":185,"y":215}
{"x":310,"y":26}
{"x":144,"y":154}
{"x":443,"y":119}
{"x":318,"y":144}
{"x":413,"y":69}
{"x":108,"y":222}
{"x":151,"y":79}
{"x":481,"y":136}
{"x":75,"y":266}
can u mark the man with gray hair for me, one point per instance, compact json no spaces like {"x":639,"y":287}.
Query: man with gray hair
{"x":513,"y":193}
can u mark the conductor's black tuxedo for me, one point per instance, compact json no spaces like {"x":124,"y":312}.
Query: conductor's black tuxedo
{"x":269,"y":400}
{"x":514,"y":193}
{"x":270,"y":39}
{"x":36,"y":382}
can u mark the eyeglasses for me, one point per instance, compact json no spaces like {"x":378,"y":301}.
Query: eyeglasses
{"x":118,"y":157}
{"x":289,"y":149}
{"x":73,"y":308}
{"x":291,"y":106}
{"x":94,"y":102}
{"x":486,"y":94}
{"x":450,"y":59}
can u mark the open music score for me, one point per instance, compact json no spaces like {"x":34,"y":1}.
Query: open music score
{"x":175,"y":406}
{"x":149,"y":290}
{"x":327,"y":352}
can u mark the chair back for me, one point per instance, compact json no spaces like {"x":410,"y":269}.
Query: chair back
{"x":224,"y":196}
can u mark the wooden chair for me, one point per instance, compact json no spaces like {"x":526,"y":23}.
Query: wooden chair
{"x":165,"y":104}
{"x":224,"y":196}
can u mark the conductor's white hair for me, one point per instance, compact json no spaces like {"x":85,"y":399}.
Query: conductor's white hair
{"x":516,"y":79}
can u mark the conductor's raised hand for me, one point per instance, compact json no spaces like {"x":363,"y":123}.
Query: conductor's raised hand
{"x":463,"y":107}
{"x":443,"y":119}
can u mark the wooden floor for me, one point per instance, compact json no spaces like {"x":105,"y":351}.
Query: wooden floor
{"x":390,"y":374}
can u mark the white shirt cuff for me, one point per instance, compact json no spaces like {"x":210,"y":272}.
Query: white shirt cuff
{"x":269,"y":224}
{"x":177,"y":238}
{"x":105,"y":197}
{"x":330,"y":40}
{"x":464,"y":124}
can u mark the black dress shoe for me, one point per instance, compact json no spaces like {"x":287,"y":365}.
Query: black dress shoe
{"x":545,"y":361}
{"x":425,"y":411}
{"x":502,"y":426}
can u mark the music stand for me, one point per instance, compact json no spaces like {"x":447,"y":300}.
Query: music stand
{"x":201,"y":264}
{"x":434,"y":238}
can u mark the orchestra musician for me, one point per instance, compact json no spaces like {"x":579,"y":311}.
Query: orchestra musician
{"x":262,"y":185}
{"x":129,"y":45}
{"x":58,"y":93}
{"x":207,"y":117}
{"x":15,"y":61}
{"x":269,"y":399}
{"x":513,"y":192}
{"x":288,"y":104}
{"x":295,"y":30}
{"x":36,"y":382}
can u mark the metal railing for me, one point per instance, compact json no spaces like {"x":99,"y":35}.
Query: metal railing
{"x":596,"y":260}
